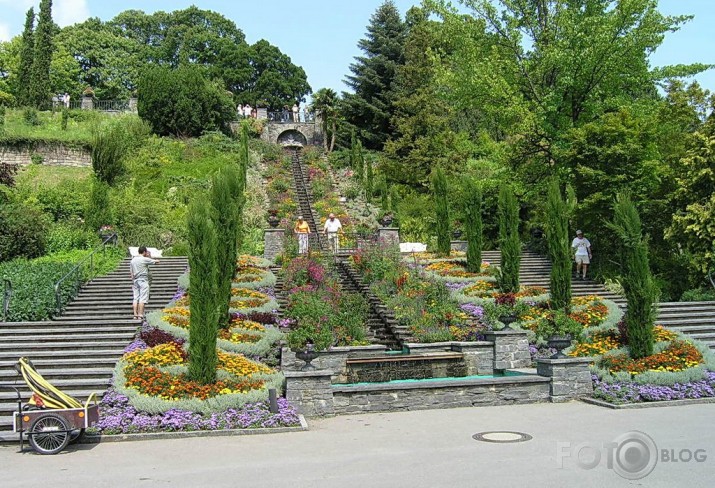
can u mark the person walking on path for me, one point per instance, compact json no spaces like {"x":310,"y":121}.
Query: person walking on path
{"x":332,"y":227}
{"x":582,"y":256}
{"x":139,"y":268}
{"x":302,"y":229}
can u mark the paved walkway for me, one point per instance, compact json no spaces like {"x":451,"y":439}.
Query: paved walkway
{"x":411,"y":449}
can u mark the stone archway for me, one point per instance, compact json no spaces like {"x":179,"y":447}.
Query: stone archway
{"x":292,"y":137}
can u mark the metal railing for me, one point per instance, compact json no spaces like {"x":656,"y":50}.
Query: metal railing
{"x":6,"y":296}
{"x":288,"y":117}
{"x":101,"y":105}
{"x":78,"y":270}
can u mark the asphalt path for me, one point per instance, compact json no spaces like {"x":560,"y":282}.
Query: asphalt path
{"x":572,"y":444}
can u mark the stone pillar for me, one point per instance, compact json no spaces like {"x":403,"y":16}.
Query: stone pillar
{"x":274,"y":242}
{"x":458,"y":246}
{"x":87,"y":103}
{"x":570,"y":377}
{"x":389,"y":235}
{"x":261,"y":113}
{"x":511,"y":349}
{"x":133,"y":104}
{"x":310,"y":392}
{"x":478,"y":356}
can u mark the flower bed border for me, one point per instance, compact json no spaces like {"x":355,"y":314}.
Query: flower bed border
{"x":151,"y":436}
{"x":649,"y":404}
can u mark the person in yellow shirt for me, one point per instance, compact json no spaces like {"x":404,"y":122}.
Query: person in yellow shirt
{"x":302,"y":229}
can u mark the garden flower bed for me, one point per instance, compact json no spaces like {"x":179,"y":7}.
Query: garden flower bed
{"x":455,"y":271}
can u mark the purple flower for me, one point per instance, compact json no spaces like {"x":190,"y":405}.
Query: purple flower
{"x":456,"y":286}
{"x":473,"y":310}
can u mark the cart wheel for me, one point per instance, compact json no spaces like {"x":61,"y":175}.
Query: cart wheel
{"x":49,"y":434}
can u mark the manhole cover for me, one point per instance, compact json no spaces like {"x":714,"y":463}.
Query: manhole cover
{"x":502,"y":436}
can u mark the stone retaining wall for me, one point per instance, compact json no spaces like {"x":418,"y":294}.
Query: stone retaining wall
{"x":46,"y":154}
{"x":439,"y":394}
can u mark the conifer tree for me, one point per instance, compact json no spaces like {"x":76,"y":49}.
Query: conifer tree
{"x":439,"y":193}
{"x":44,"y":46}
{"x":638,"y":284}
{"x":360,"y":162}
{"x":473,"y":227}
{"x":204,"y":289}
{"x":27,"y":56}
{"x":373,"y":74}
{"x":369,"y":179}
{"x":227,"y":217}
{"x":558,"y":211}
{"x":509,"y":243}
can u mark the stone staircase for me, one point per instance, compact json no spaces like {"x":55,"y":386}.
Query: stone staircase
{"x":77,"y":351}
{"x":316,"y":240}
{"x":694,"y":319}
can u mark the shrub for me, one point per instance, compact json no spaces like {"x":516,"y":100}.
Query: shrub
{"x":182,"y":102}
{"x":65,"y":118}
{"x":109,"y":148}
{"x":31,"y":117}
{"x":65,"y":236}
{"x":439,"y":192}
{"x":98,"y":208}
{"x":6,"y":100}
{"x":23,"y":232}
{"x":33,"y":295}
{"x":475,"y":238}
{"x":509,"y":243}
{"x":698,"y":295}
{"x":557,"y":217}
{"x":66,"y":200}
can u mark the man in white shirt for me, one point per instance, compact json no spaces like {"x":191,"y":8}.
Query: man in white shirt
{"x":582,"y":249}
{"x":332,"y":227}
{"x":139,"y":268}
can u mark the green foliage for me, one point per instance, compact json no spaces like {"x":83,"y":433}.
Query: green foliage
{"x":33,"y":296}
{"x":23,"y":231}
{"x":637,"y":280}
{"x":373,"y":74}
{"x":205,"y":297}
{"x":65,"y":118}
{"x":40,"y":83}
{"x":99,"y":210}
{"x":509,"y":243}
{"x":560,"y":325}
{"x":473,"y":226}
{"x":182,"y":102}
{"x":699,"y":295}
{"x":369,"y":180}
{"x":64,"y":236}
{"x":325,"y":106}
{"x":439,"y":194}
{"x":27,"y":56}
{"x":30,"y":116}
{"x":109,"y":147}
{"x":558,"y":211}
{"x":226,"y":202}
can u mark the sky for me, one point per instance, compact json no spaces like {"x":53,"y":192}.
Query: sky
{"x":322,"y":35}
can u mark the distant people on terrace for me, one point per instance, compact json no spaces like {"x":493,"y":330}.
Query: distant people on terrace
{"x":296,"y":112}
{"x":331,"y":228}
{"x":582,"y":255}
{"x":239,"y":111}
{"x":302,"y":230}
{"x":247,"y":110}
{"x":306,"y":114}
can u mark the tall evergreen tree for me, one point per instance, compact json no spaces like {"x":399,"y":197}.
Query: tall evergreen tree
{"x":204,"y":289}
{"x":473,"y":227}
{"x":369,"y":108}
{"x":638,"y":284}
{"x":227,"y":216}
{"x":27,"y":56}
{"x":40,"y":87}
{"x":509,"y":243}
{"x":558,"y":211}
{"x":369,"y":179}
{"x":439,"y":192}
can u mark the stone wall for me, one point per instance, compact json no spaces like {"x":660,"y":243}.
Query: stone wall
{"x":511,"y":349}
{"x":570,"y":377}
{"x":51,"y":155}
{"x":439,"y":394}
{"x":274,"y":243}
{"x":311,"y":131}
{"x":334,"y":360}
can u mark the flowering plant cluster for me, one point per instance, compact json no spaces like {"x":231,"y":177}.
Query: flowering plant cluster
{"x":619,"y":392}
{"x":677,"y":356}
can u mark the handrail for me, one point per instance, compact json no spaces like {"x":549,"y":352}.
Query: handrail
{"x":7,"y":295}
{"x":710,"y":277}
{"x":58,"y":297}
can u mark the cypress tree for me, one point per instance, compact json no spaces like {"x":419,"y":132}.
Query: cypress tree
{"x":394,"y":200}
{"x":226,"y":216}
{"x":509,"y":243}
{"x":369,"y":107}
{"x":638,"y":284}
{"x":65,"y":118}
{"x":384,"y":196}
{"x":473,"y":227}
{"x":27,"y":56}
{"x":439,"y":193}
{"x":40,"y":86}
{"x":558,"y":211}
{"x":204,"y":290}
{"x":369,"y":179}
{"x":360,"y":161}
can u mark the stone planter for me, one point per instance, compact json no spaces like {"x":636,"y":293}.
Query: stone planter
{"x":273,"y":221}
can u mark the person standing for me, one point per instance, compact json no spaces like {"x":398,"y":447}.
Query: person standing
{"x":139,"y":268}
{"x":332,"y":227}
{"x":66,"y":100}
{"x":296,"y":113}
{"x":306,"y":114}
{"x":239,"y":111}
{"x":247,"y":110}
{"x":582,"y":256}
{"x":302,"y":229}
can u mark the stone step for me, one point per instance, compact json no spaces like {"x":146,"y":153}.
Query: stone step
{"x":55,"y":363}
{"x":80,"y":322}
{"x":60,"y":330}
{"x":28,"y":348}
{"x":53,"y":375}
{"x":108,"y":351}
{"x":60,"y":337}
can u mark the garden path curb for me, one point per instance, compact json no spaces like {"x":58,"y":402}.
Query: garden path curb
{"x":631,"y":406}
{"x":97,"y":439}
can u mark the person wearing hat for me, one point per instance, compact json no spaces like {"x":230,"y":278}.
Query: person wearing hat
{"x":582,"y":249}
{"x":302,"y":229}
